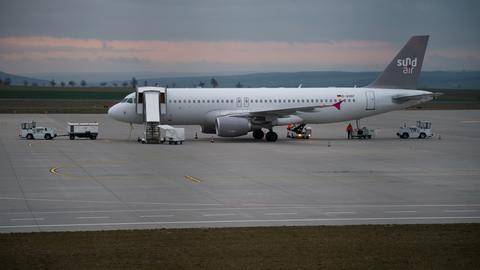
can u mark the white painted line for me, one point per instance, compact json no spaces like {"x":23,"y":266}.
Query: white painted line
{"x":107,"y":202}
{"x":459,"y":211}
{"x":278,"y":214}
{"x":24,"y":219}
{"x":219,"y":215}
{"x":339,"y":213}
{"x":400,"y":211}
{"x":232,"y":208}
{"x":90,"y":217}
{"x":154,"y":216}
{"x":237,"y":221}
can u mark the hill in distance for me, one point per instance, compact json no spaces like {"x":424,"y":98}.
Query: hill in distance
{"x":428,"y":79}
{"x":20,"y":80}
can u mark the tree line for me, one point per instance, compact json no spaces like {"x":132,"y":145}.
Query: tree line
{"x":133,"y":83}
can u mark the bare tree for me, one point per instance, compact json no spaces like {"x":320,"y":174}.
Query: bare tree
{"x":145,"y":83}
{"x":201,"y":84}
{"x":214,"y":83}
{"x":83,"y":83}
{"x":25,"y":83}
{"x":103,"y":84}
{"x":134,"y":82}
{"x":239,"y":85}
{"x":53,"y":83}
{"x":7,"y":81}
{"x":71,"y":83}
{"x":62,"y":84}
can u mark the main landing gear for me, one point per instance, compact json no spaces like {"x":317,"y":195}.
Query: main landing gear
{"x":270,"y":136}
{"x":258,"y":134}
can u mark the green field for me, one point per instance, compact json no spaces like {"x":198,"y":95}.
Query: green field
{"x":453,"y":246}
{"x":21,"y":99}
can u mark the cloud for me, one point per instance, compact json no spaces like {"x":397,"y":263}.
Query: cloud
{"x":337,"y":54}
{"x":26,"y":54}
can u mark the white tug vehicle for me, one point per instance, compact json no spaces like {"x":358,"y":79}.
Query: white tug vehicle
{"x":422,"y":130}
{"x":30,"y":131}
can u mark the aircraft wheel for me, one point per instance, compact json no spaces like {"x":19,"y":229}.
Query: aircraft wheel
{"x":258,"y":134}
{"x":271,"y":136}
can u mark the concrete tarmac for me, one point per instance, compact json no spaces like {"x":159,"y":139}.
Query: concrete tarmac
{"x":116,"y":183}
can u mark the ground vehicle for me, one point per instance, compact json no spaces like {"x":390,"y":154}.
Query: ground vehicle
{"x":422,"y":130}
{"x":171,"y":135}
{"x":30,"y":131}
{"x":164,"y":134}
{"x":83,"y":130}
{"x":363,"y":133}
{"x":299,"y":132}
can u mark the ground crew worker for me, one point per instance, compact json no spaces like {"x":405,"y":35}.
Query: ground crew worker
{"x":349,"y":131}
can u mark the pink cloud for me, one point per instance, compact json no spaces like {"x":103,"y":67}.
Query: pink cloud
{"x":348,"y":53}
{"x":50,"y":42}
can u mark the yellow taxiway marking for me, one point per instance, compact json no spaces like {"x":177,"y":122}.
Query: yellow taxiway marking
{"x":193,"y":179}
{"x":54,"y":170}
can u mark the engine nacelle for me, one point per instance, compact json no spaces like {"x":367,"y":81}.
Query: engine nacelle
{"x":232,"y":126}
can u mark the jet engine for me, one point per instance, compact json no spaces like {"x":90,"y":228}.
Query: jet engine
{"x":232,"y":126}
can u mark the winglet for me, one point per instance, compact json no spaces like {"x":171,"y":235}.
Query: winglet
{"x":337,"y":105}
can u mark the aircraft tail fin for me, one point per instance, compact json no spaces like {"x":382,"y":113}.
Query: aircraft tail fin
{"x":404,"y":70}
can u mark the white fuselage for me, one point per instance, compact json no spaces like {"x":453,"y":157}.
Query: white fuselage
{"x":193,"y":106}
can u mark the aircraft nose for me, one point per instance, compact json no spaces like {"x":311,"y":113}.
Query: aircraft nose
{"x":114,"y":112}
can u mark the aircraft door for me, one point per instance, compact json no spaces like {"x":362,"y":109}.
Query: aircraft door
{"x":163,"y":103}
{"x":239,"y":102}
{"x":370,"y":100}
{"x":246,"y":102}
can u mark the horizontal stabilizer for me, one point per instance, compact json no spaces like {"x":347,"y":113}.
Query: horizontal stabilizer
{"x":405,"y":98}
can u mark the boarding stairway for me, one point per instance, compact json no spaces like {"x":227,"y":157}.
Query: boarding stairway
{"x":151,"y":114}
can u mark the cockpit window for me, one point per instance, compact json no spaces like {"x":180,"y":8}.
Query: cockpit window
{"x":124,"y":100}
{"x":129,"y":100}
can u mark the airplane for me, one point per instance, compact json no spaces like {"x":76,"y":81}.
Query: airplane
{"x":233,"y":112}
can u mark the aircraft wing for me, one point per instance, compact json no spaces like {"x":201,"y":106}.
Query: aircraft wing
{"x":285,"y":111}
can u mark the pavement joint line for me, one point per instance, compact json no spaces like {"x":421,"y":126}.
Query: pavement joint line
{"x":193,"y":179}
{"x":400,"y":211}
{"x":460,"y":211}
{"x":190,"y":209}
{"x":90,"y":217}
{"x":154,"y":216}
{"x":25,"y":219}
{"x":279,"y":214}
{"x":237,"y":221}
{"x":108,"y":202}
{"x":219,"y":215}
{"x":339,"y":213}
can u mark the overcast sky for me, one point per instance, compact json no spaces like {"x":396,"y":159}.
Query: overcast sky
{"x":238,"y":35}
